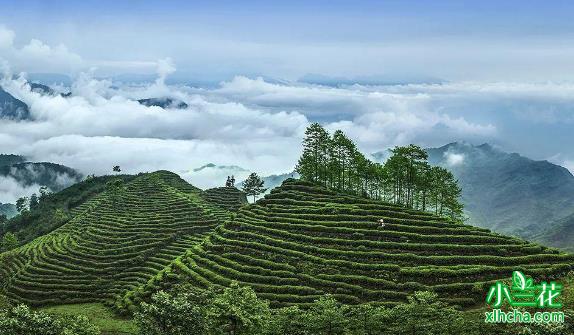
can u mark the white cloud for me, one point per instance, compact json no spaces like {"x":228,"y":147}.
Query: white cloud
{"x":252,"y":123}
{"x":453,"y":159}
{"x":36,"y":56}
{"x":6,"y":38}
{"x":11,"y":190}
{"x":215,"y":176}
{"x":377,"y":117}
{"x":165,"y":67}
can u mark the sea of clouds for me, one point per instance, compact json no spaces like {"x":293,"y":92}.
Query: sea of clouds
{"x":249,"y":122}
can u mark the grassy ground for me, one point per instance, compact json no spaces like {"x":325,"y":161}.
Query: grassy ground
{"x":101,"y":316}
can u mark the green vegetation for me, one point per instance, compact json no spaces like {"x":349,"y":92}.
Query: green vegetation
{"x":406,"y":178}
{"x":229,"y":198}
{"x":113,"y":242}
{"x":9,"y":242}
{"x":99,"y":315}
{"x":236,"y":310}
{"x":354,"y":248}
{"x":21,"y":320}
{"x":303,"y":241}
{"x":253,"y":186}
{"x":54,"y":209}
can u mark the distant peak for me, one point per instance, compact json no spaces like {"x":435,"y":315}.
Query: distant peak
{"x":221,"y":167}
{"x":485,"y":146}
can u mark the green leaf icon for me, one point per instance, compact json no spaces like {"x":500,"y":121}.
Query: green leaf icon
{"x":519,"y":280}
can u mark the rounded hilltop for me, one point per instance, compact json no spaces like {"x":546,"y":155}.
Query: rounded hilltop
{"x":116,"y":233}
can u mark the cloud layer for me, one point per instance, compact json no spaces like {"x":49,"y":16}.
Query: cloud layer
{"x":259,"y":124}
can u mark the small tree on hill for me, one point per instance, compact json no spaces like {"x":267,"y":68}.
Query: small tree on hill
{"x":180,"y":314}
{"x":9,"y":241}
{"x":117,"y":169}
{"x":44,"y":192}
{"x":253,"y":186}
{"x":22,"y":204}
{"x":34,"y":201}
{"x":238,"y":311}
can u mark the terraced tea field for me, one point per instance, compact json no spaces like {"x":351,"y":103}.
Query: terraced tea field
{"x":302,"y":241}
{"x":229,"y":198}
{"x":114,"y":242}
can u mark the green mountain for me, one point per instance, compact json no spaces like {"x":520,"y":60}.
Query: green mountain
{"x":275,"y":180}
{"x":507,"y":192}
{"x":560,"y":234}
{"x":114,"y":241}
{"x":302,"y":241}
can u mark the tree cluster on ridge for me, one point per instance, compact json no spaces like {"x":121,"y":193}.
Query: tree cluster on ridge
{"x":406,"y":178}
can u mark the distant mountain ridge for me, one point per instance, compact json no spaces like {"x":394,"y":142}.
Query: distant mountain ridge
{"x":12,"y":108}
{"x":17,"y":170}
{"x":55,"y":176}
{"x":560,"y":234}
{"x":219,"y":172}
{"x":507,"y":192}
{"x":9,"y":159}
{"x":163,"y":103}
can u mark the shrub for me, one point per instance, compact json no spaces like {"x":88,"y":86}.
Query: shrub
{"x":20,"y":320}
{"x":179,"y":314}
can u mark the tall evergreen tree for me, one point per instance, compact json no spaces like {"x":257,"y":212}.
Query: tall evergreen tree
{"x":406,"y":178}
{"x":253,"y":186}
{"x":312,"y":165}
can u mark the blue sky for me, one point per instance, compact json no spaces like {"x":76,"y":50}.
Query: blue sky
{"x":477,"y":71}
{"x":454,"y":40}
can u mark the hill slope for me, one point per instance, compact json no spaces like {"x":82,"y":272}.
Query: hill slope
{"x":507,"y":192}
{"x":302,"y":241}
{"x":11,"y":159}
{"x":561,"y":234}
{"x":229,"y":198}
{"x":12,"y":108}
{"x":113,"y":242}
{"x":55,"y":209}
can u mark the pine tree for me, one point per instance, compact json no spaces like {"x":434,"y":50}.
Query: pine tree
{"x":312,"y":165}
{"x":22,"y":204}
{"x":406,"y":178}
{"x":33,"y":201}
{"x":253,"y":186}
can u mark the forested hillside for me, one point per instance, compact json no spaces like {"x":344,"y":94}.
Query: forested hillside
{"x":405,"y":179}
{"x":491,"y":179}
